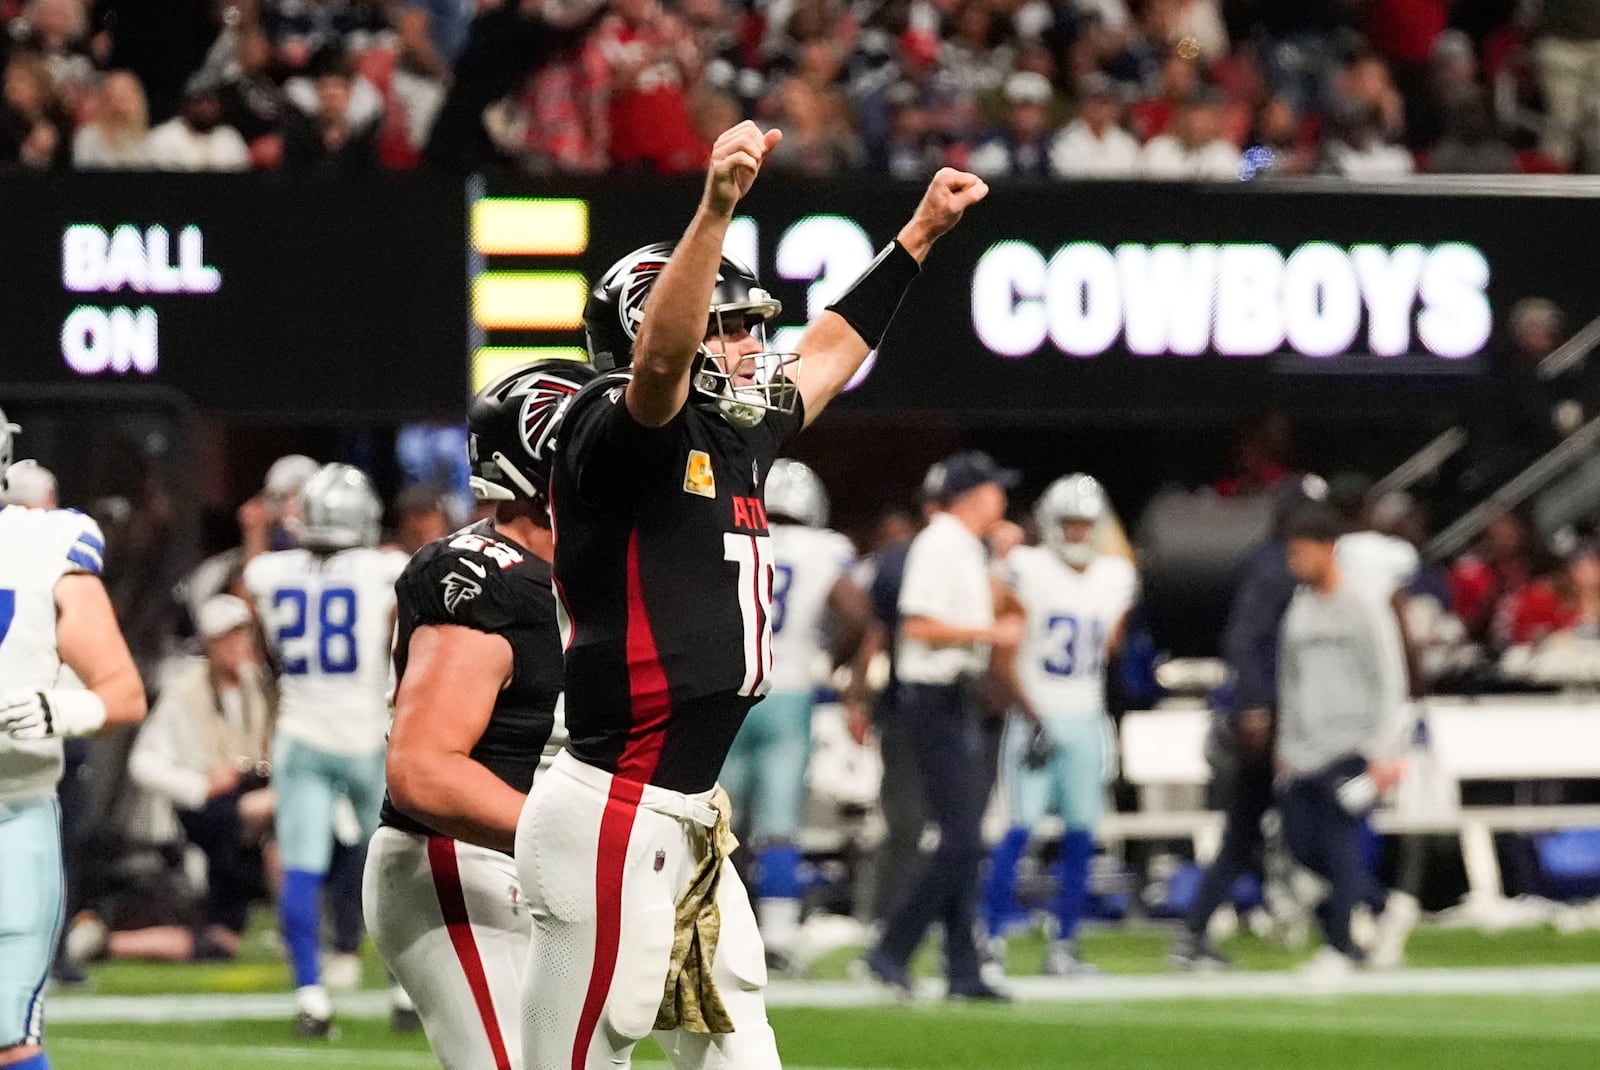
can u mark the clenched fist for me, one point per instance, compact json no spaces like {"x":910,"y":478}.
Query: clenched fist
{"x":735,"y":161}
{"x":950,"y":194}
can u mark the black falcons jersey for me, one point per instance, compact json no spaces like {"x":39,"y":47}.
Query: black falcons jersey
{"x":664,"y":571}
{"x":479,"y":579}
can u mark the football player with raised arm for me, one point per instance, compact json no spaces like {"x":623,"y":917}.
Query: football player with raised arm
{"x":476,"y":708}
{"x":664,"y":574}
{"x":54,"y":612}
{"x":327,"y":610}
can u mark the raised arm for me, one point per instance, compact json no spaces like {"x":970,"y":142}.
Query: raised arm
{"x":678,"y":308}
{"x":836,"y":343}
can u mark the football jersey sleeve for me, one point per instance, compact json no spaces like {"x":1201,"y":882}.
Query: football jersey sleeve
{"x":86,"y":545}
{"x":454,"y":589}
{"x":607,"y":451}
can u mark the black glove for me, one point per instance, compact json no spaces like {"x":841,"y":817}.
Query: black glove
{"x":1041,"y":749}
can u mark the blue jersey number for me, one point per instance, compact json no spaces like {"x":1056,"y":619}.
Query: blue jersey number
{"x":782,"y":577}
{"x":1072,"y":649}
{"x":8,"y":610}
{"x":336,"y":630}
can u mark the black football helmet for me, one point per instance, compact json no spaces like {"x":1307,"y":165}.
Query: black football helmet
{"x":511,"y":429}
{"x":615,"y":309}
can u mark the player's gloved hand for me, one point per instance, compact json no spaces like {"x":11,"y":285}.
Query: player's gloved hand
{"x":51,"y":714}
{"x":1041,"y":749}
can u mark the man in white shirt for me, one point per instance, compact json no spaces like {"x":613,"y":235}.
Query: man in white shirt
{"x":947,"y":628}
{"x":1194,"y":148}
{"x":1094,"y":145}
{"x":197,"y":139}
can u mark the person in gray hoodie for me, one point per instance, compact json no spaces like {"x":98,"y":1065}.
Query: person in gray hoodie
{"x":1342,"y":728}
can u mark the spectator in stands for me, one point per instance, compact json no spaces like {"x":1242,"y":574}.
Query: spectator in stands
{"x":1501,"y":564}
{"x":204,"y":750}
{"x":976,"y":52}
{"x":1564,"y":603}
{"x":912,"y":147}
{"x":333,"y":142}
{"x":197,"y":139}
{"x":32,"y":128}
{"x":419,"y":518}
{"x":1263,"y":456}
{"x":1193,"y":26}
{"x":304,"y":31}
{"x":1179,"y":84}
{"x":1569,"y":67}
{"x":116,"y":138}
{"x":1451,"y":71}
{"x":1094,"y":145}
{"x":1366,"y":83}
{"x":712,"y":111}
{"x":560,"y":121}
{"x":817,"y":139}
{"x":1279,"y":144}
{"x":253,"y":102}
{"x":1471,"y":145}
{"x":432,"y":35}
{"x":654,"y":63}
{"x":163,"y":42}
{"x":1022,"y":148}
{"x":1194,"y":148}
{"x":1358,"y":148}
{"x":57,"y":30}
{"x":1529,"y":411}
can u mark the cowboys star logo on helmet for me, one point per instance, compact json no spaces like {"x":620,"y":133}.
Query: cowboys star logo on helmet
{"x":546,"y":397}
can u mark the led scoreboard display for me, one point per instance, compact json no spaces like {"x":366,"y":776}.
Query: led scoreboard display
{"x":249,"y":294}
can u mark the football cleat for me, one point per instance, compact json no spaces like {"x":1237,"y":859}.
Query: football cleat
{"x":1197,"y":953}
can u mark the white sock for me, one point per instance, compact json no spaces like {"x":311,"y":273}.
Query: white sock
{"x":400,"y":1000}
{"x":314,"y":1000}
{"x":780,"y":922}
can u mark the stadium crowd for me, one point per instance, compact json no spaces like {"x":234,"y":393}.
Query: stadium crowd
{"x":1216,"y":89}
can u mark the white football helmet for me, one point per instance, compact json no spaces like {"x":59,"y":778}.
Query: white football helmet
{"x":795,"y":492}
{"x":1073,"y":497}
{"x":341,"y":509}
{"x":7,"y":431}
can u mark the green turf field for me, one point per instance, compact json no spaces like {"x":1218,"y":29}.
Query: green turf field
{"x":1419,"y":1033}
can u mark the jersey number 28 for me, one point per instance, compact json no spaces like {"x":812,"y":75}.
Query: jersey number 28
{"x":335,"y":640}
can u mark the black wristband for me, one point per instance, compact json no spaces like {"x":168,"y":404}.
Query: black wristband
{"x":872,"y":300}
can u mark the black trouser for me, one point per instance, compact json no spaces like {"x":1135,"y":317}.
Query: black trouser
{"x":948,"y":749}
{"x":904,"y":814}
{"x":1249,"y":798}
{"x":233,"y":869}
{"x":1326,"y":838}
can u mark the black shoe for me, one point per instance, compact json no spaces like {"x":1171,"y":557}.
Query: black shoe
{"x":887,"y":972}
{"x":783,"y":964}
{"x":68,"y":973}
{"x":404,"y":1020}
{"x":1195,"y":951}
{"x":310,"y":1027}
{"x":978,"y":990}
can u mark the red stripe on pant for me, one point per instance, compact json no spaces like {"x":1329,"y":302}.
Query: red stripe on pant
{"x":453,"y":905}
{"x":611,"y":860}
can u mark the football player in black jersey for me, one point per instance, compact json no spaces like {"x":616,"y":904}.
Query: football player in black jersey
{"x":477,"y":702}
{"x":664,"y":574}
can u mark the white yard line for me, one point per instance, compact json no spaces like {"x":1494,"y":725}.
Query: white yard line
{"x":1547,"y":980}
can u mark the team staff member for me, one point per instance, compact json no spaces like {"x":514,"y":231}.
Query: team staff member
{"x":478,"y":688}
{"x":1342,"y":728}
{"x":664,"y":572}
{"x":947,"y":628}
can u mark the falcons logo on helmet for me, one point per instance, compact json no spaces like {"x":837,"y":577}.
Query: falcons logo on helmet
{"x":635,"y":288}
{"x":546,"y":398}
